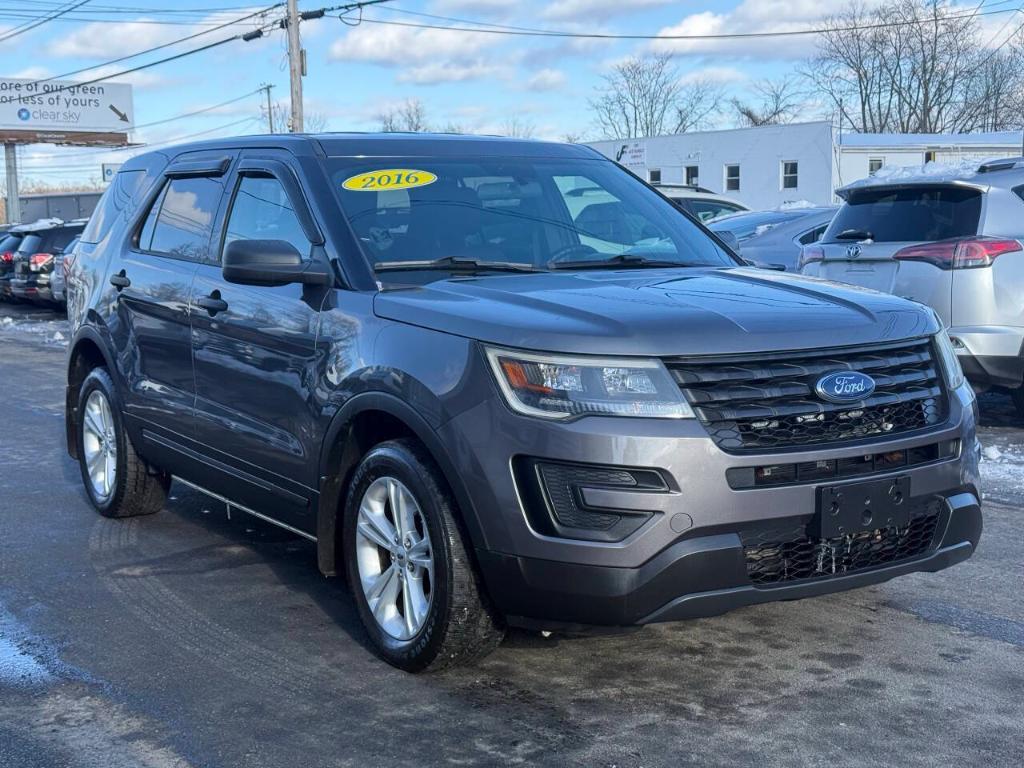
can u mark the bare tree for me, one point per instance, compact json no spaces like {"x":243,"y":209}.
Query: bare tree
{"x":280,"y":118}
{"x":410,"y":116}
{"x":928,"y":69}
{"x":646,"y":97}
{"x":775,"y":101}
{"x":572,"y":137}
{"x":517,"y":128}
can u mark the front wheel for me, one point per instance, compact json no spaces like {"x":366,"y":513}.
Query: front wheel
{"x":407,"y":564}
{"x":118,"y":481}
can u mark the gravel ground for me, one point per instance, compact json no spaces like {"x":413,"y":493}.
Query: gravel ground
{"x":191,"y":639}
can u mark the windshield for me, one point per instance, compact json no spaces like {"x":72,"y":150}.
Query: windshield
{"x":747,"y":225}
{"x":524,"y":213}
{"x":888,"y":215}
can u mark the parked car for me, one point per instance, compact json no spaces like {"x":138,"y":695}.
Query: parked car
{"x":57,"y":277}
{"x":702,"y":203}
{"x":433,"y":358}
{"x":36,"y":257}
{"x":9,"y":242}
{"x":775,"y":237}
{"x":950,"y":241}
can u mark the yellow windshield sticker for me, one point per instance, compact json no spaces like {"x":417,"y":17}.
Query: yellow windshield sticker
{"x":388,"y":178}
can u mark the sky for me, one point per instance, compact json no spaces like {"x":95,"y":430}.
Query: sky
{"x":358,"y":68}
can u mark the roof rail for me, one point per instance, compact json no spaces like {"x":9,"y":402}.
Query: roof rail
{"x":1003,"y":164}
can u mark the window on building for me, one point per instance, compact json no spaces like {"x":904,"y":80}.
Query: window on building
{"x":875,"y":165}
{"x":692,"y":175}
{"x":789,"y":174}
{"x":654,"y":176}
{"x":929,"y":156}
{"x":180,"y":222}
{"x":732,"y":178}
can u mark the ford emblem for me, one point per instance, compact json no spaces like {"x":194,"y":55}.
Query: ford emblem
{"x":845,"y":387}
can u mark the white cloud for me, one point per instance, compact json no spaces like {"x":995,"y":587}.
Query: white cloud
{"x":750,"y":16}
{"x":105,"y":41}
{"x":35,"y":72}
{"x":723,"y":75}
{"x":477,"y":7}
{"x":449,"y":72}
{"x":584,"y":10}
{"x":546,"y":80}
{"x":403,"y":46}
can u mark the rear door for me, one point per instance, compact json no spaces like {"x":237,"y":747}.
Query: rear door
{"x":152,"y":280}
{"x":254,"y":347}
{"x":878,"y":222}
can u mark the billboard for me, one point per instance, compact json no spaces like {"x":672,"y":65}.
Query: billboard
{"x":45,"y":111}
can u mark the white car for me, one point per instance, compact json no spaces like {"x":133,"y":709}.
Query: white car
{"x":702,"y":203}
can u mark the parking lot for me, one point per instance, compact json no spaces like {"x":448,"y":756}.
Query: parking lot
{"x":191,"y":639}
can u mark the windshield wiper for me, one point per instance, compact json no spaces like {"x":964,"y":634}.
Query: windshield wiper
{"x":455,"y":263}
{"x":620,"y":260}
{"x":855,"y":234}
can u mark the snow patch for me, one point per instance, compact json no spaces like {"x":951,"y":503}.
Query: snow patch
{"x":888,"y":174}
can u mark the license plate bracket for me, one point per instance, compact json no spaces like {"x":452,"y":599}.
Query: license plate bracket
{"x":864,"y":506}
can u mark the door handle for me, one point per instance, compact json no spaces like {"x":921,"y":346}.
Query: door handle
{"x":120,"y":281}
{"x":212,"y":303}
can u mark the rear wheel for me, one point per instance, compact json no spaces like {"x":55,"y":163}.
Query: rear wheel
{"x":118,"y":481}
{"x":407,"y":564}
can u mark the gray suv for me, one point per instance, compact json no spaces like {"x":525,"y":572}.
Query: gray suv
{"x":494,"y":397}
{"x":952,"y":241}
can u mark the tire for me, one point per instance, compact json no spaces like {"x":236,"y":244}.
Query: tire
{"x":1018,"y":400}
{"x":135,"y":488}
{"x":457,"y":626}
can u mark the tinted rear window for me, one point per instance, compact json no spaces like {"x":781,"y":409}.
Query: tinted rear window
{"x":9,"y":243}
{"x":907,"y":215}
{"x":30,"y":243}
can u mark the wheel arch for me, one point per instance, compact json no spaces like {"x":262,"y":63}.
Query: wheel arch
{"x":366,"y":420}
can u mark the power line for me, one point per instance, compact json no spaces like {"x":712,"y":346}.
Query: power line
{"x":528,"y":32}
{"x":22,"y":29}
{"x":162,"y":46}
{"x":198,"y":111}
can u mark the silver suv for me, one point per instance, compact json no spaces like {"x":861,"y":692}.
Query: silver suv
{"x":951,"y":241}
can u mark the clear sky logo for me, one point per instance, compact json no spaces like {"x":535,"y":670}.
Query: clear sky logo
{"x":24,"y":114}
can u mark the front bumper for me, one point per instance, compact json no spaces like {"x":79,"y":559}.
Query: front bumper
{"x":693,"y":578}
{"x":687,"y":558}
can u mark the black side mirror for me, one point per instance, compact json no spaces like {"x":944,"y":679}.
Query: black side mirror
{"x":729,"y":238}
{"x":270,"y":262}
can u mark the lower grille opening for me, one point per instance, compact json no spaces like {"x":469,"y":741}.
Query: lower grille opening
{"x":787,"y":554}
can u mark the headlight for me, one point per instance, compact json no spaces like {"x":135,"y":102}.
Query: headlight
{"x":559,"y":387}
{"x":948,"y":360}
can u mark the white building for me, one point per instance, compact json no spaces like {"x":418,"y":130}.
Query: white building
{"x":771,"y":165}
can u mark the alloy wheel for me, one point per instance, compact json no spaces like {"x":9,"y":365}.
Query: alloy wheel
{"x":99,"y":444}
{"x":394,"y":558}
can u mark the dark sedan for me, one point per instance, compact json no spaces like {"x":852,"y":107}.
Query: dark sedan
{"x":776,"y":237}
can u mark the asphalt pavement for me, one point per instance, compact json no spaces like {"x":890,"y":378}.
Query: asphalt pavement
{"x":191,"y":639}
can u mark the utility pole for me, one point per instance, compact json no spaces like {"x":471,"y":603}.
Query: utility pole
{"x":270,"y":107}
{"x":296,"y":65}
{"x":11,"y":167}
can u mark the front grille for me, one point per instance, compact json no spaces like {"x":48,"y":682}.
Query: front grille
{"x":788,"y":554}
{"x":767,"y":402}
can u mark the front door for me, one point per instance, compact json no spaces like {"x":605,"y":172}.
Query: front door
{"x":254,"y":351}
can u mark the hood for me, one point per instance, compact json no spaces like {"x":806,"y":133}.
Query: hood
{"x":657,"y":312}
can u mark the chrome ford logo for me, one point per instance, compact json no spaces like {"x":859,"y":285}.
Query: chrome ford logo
{"x":853,"y":251}
{"x":845,"y":387}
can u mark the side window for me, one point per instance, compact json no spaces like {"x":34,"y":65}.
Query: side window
{"x":115,"y":199}
{"x":181,"y":220}
{"x":813,"y":236}
{"x":262,"y":211}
